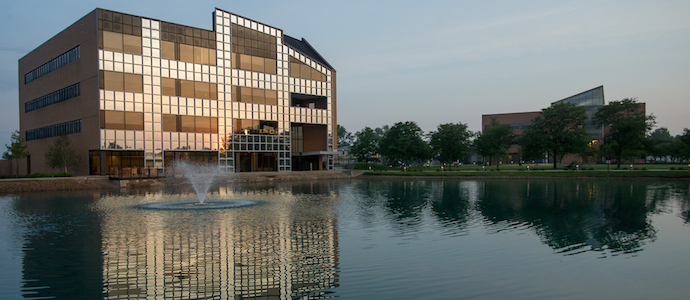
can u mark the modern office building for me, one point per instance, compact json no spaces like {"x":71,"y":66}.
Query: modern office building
{"x":591,"y":100}
{"x":132,"y":91}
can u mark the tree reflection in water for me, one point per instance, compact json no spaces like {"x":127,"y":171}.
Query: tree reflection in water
{"x":569,"y":216}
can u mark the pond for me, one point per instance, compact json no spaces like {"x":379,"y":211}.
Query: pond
{"x":353,"y":239}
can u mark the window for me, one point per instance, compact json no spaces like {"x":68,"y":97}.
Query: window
{"x":168,"y":50}
{"x":253,"y":50}
{"x":119,"y":32}
{"x":252,"y":95}
{"x":244,"y":126}
{"x":122,"y":120}
{"x":188,"y":88}
{"x":252,"y":42}
{"x":112,"y":41}
{"x":54,"y":130}
{"x":134,"y":83}
{"x":299,"y":69}
{"x":178,"y":123}
{"x":131,"y":44}
{"x":186,"y":53}
{"x":254,"y":63}
{"x":168,"y":87}
{"x":117,"y":81}
{"x":52,"y":98}
{"x":52,"y":65}
{"x":188,"y":44}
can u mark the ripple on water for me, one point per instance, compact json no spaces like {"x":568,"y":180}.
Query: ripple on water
{"x":195,"y":205}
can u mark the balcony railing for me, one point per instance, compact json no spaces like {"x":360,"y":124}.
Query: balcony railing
{"x":135,"y":173}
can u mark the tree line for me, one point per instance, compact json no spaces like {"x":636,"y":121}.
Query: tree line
{"x":558,"y":131}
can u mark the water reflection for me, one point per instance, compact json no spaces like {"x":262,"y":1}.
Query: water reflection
{"x":573,"y":216}
{"x":92,"y":245}
{"x":62,"y":243}
{"x":286,"y":248}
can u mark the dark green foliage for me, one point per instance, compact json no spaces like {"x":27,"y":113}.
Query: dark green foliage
{"x":494,"y":141}
{"x":344,"y":137}
{"x":403,"y":143}
{"x":365,"y":147}
{"x":559,"y":130}
{"x":450,"y":142}
{"x":627,"y":126}
{"x":658,"y":143}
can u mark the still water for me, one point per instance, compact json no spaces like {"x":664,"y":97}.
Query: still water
{"x":359,"y":239}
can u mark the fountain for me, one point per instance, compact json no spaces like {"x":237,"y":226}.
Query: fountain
{"x":201,"y":176}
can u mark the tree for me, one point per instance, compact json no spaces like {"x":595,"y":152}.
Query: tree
{"x":365,"y":146}
{"x":626,"y":128}
{"x":559,"y":130}
{"x":494,"y":141}
{"x":404,"y":143}
{"x":657,"y":143}
{"x":16,"y":150}
{"x":344,"y":137}
{"x":684,"y":141}
{"x":61,"y":155}
{"x":381,"y":131}
{"x":450,"y":142}
{"x":532,"y":146}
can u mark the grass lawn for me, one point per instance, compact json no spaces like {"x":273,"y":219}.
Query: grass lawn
{"x":532,"y":167}
{"x":541,"y":170}
{"x":562,"y":174}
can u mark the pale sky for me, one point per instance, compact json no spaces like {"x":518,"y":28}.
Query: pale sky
{"x":431,"y":62}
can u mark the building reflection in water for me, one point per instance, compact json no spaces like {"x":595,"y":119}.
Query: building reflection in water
{"x":277,"y":251}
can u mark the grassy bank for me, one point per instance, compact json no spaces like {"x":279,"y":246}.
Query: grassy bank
{"x":532,"y":167}
{"x":540,"y":174}
{"x":37,"y":175}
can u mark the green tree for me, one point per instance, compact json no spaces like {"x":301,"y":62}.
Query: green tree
{"x":626,"y":128}
{"x":494,"y":141}
{"x":559,"y":130}
{"x":344,"y":137}
{"x":61,"y":155}
{"x":657,"y":143}
{"x":531,"y":146}
{"x":404,"y":143}
{"x":381,"y":131}
{"x":677,"y":150}
{"x":16,"y":150}
{"x":684,"y":143}
{"x":450,"y":142}
{"x":365,"y":146}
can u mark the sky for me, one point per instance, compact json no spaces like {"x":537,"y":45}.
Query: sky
{"x":431,"y":62}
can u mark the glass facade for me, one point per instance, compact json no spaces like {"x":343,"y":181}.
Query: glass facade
{"x":232,"y":93}
{"x":591,"y":100}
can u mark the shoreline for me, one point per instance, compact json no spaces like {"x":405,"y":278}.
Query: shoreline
{"x":20,"y":185}
{"x":617,"y":175}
